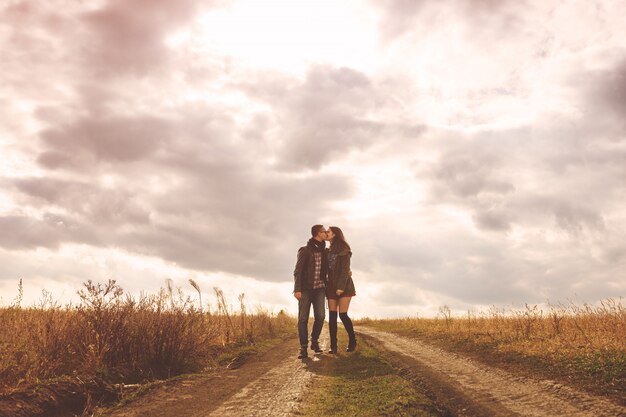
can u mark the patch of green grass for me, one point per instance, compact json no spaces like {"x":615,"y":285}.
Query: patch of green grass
{"x":363,"y":384}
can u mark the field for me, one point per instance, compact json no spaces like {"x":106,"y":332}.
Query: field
{"x":119,"y":338}
{"x":111,"y":346}
{"x":580,"y":345}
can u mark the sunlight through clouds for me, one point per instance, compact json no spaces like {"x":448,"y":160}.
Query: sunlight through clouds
{"x":473,"y":152}
{"x":290,"y":35}
{"x":381,"y":190}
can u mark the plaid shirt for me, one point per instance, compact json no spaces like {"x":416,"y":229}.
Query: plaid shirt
{"x":317,"y":282}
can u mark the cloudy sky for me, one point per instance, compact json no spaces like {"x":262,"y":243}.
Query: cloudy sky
{"x":473,"y":151}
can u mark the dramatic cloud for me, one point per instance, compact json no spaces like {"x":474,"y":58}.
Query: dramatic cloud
{"x":127,"y":36}
{"x":474,"y":152}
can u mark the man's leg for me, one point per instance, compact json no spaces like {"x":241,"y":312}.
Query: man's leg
{"x":304,"y":310}
{"x":319,"y":301}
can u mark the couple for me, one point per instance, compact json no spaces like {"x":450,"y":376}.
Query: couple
{"x":324,"y":273}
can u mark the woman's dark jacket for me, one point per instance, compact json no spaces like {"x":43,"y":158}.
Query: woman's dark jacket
{"x":304,"y":273}
{"x":339,"y":276}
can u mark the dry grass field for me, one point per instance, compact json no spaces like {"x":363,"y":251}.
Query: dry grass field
{"x":125,"y":339}
{"x":582,"y":344}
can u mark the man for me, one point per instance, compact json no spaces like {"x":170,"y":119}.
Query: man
{"x":309,"y":288}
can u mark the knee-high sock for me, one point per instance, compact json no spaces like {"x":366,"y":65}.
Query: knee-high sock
{"x":347,"y":323}
{"x":332,"y":327}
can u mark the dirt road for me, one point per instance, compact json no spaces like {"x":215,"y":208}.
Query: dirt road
{"x":278,"y":393}
{"x":467,"y":388}
{"x":275,"y":383}
{"x":271,"y":384}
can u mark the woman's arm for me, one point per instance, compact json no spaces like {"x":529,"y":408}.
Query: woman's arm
{"x":343,"y":272}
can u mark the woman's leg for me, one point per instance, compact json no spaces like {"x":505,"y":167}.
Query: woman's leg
{"x":344,"y":304}
{"x":332,"y":325}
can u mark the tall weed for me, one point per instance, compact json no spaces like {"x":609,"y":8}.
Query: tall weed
{"x":123,"y":338}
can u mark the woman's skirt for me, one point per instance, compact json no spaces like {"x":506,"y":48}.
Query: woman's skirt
{"x":331,"y":294}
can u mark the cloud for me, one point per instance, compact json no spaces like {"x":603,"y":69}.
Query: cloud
{"x":453,"y":262}
{"x":574,"y":218}
{"x":467,"y":175}
{"x":129,"y":36}
{"x":605,"y":91}
{"x":122,"y":139}
{"x":404,"y":16}
{"x":614,"y":88}
{"x":239,"y":226}
{"x":25,"y":232}
{"x":180,"y":186}
{"x":544,"y":176}
{"x":331,"y":113}
{"x":493,"y":219}
{"x":325,"y":116}
{"x":185,"y":182}
{"x":478,"y":158}
{"x":398,"y":295}
{"x":85,"y":201}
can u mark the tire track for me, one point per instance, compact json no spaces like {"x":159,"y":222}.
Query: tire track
{"x":277,"y":393}
{"x":494,"y":389}
{"x":261,"y":383}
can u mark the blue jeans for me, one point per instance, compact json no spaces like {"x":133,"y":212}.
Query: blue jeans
{"x":316,"y":297}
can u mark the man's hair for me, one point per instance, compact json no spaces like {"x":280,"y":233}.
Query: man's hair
{"x":316,"y":229}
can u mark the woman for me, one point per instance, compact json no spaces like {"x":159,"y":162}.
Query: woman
{"x":340,"y":288}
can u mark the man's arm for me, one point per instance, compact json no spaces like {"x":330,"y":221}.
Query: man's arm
{"x":297,"y":272}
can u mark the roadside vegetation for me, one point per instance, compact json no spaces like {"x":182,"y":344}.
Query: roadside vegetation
{"x":118,"y":338}
{"x":363,"y":384}
{"x":582,"y":345}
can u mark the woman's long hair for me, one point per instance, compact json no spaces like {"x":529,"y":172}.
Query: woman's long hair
{"x":339,"y":237}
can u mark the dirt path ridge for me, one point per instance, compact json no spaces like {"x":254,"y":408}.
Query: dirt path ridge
{"x":271,"y":384}
{"x":494,"y":389}
{"x":278,"y":393}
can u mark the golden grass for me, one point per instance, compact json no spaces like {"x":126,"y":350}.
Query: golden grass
{"x":122,"y":338}
{"x":585,"y":340}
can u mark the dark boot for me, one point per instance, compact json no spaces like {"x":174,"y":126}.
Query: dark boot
{"x":303,"y":353}
{"x":315,"y":346}
{"x":332,"y":327}
{"x":347,"y":323}
{"x":351,"y":343}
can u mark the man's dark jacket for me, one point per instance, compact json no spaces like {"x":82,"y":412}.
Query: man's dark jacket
{"x":304,"y":273}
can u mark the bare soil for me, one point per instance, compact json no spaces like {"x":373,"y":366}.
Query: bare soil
{"x":64,"y":397}
{"x":270,"y":384}
{"x":467,"y":388}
